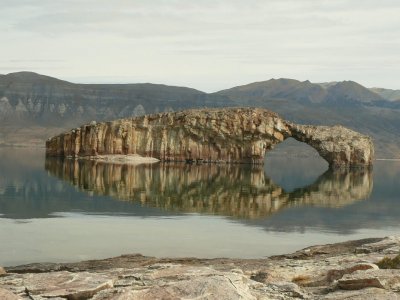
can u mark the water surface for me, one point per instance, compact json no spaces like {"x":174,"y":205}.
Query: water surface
{"x":66,"y":210}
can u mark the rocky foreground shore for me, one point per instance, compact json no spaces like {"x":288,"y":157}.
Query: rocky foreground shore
{"x":363,"y":269}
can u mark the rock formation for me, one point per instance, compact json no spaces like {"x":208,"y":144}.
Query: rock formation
{"x":232,"y":135}
{"x":209,"y":188}
{"x":34,"y":107}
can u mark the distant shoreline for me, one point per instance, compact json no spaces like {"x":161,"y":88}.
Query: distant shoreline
{"x":394,"y":159}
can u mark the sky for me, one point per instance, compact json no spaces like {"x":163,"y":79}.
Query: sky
{"x":207,"y":45}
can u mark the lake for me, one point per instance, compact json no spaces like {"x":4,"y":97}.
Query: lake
{"x":59,"y":210}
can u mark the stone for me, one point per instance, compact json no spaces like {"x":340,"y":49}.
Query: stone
{"x":367,"y":293}
{"x":231,"y":135}
{"x":218,"y":287}
{"x":281,"y":290}
{"x":145,"y":294}
{"x":385,"y":279}
{"x":338,"y":273}
{"x":388,"y":245}
{"x":13,"y":283}
{"x":7,"y":295}
{"x":174,"y":281}
{"x":65,"y":284}
{"x":2,"y":271}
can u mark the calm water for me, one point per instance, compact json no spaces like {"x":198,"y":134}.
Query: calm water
{"x":63,"y":210}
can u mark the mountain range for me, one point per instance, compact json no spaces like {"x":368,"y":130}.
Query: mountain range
{"x":34,"y":107}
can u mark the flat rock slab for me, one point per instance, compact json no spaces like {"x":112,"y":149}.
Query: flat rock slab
{"x":388,"y":245}
{"x":384,"y":279}
{"x":65,"y":284}
{"x":364,"y":294}
{"x":190,"y":282}
{"x":7,"y":295}
{"x":171,"y":281}
{"x":212,"y":287}
{"x":335,"y":274}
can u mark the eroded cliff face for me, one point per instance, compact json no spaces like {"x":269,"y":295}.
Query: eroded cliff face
{"x":232,"y":135}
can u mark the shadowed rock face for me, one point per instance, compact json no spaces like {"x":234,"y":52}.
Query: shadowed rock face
{"x":232,"y":135}
{"x":244,"y":192}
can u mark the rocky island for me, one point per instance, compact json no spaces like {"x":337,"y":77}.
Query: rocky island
{"x":231,"y":135}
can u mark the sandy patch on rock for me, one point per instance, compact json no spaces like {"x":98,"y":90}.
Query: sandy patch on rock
{"x":132,"y":159}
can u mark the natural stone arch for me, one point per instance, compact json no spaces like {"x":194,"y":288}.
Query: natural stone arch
{"x":338,"y":145}
{"x":293,"y":164}
{"x":231,"y":135}
{"x":294,"y":148}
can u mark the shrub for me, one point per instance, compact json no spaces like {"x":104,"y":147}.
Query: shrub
{"x":389,"y":263}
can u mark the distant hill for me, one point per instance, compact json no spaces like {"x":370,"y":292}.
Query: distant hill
{"x":347,"y":103}
{"x":27,"y":96}
{"x":302,"y":92}
{"x":350,"y":91}
{"x":388,"y":94}
{"x":34,"y":107}
{"x":277,"y":90}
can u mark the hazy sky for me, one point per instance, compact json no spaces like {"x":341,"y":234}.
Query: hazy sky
{"x":208,"y":45}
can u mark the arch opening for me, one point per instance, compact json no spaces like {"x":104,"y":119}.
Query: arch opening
{"x":292,"y":164}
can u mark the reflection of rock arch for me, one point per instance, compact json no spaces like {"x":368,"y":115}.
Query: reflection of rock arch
{"x":213,"y":135}
{"x":244,"y":192}
{"x":335,"y":189}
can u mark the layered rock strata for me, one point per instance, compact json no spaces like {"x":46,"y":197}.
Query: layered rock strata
{"x":232,"y":135}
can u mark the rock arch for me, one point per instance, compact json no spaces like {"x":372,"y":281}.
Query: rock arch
{"x":338,"y":145}
{"x":231,"y":135}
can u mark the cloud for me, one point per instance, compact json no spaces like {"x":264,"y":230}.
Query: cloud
{"x":34,"y":60}
{"x":235,"y":40}
{"x":162,"y":18}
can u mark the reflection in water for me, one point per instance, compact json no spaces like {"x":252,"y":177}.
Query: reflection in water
{"x":244,"y":192}
{"x":67,"y":224}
